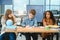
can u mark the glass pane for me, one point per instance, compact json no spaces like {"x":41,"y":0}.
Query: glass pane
{"x":0,"y":9}
{"x":39,"y":11}
{"x":55,"y":2}
{"x":47,"y":2}
{"x":54,"y":7}
{"x":20,"y":4}
{"x":47,"y":7}
{"x":6,"y":2}
{"x":36,"y":2}
{"x":8,"y":7}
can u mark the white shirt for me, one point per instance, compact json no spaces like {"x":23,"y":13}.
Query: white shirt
{"x":3,"y":25}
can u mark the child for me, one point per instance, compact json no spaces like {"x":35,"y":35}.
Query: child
{"x":48,"y":20}
{"x":30,"y":22}
{"x":5,"y":23}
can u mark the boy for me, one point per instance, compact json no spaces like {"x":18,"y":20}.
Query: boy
{"x":30,"y":22}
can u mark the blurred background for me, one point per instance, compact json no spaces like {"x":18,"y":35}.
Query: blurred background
{"x":21,"y":8}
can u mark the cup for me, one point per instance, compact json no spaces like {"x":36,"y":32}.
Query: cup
{"x":47,"y":28}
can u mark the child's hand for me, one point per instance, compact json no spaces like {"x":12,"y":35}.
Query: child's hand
{"x":27,"y":26}
{"x":33,"y":26}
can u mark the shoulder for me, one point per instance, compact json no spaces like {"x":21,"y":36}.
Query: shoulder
{"x":3,"y":17}
{"x":43,"y":19}
{"x":13,"y":16}
{"x":35,"y":19}
{"x":51,"y":20}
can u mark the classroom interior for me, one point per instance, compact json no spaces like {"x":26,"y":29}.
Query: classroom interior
{"x":21,"y":8}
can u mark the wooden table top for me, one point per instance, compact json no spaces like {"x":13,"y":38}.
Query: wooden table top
{"x":32,"y":30}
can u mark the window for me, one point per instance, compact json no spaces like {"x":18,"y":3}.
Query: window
{"x":8,"y":7}
{"x":47,"y":2}
{"x":1,"y":9}
{"x":20,"y":4}
{"x":47,"y":7}
{"x":36,"y":2}
{"x":52,"y":4}
{"x":54,"y":7}
{"x":55,"y":2}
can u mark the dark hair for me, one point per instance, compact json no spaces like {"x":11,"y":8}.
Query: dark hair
{"x":32,"y":11}
{"x":51,"y":16}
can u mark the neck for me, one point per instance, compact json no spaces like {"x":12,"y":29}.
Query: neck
{"x":47,"y":18}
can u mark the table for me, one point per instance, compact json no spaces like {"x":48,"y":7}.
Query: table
{"x":35,"y":30}
{"x":32,"y":30}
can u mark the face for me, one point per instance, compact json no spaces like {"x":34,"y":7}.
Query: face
{"x":10,"y":15}
{"x":31,"y":16}
{"x":47,"y":15}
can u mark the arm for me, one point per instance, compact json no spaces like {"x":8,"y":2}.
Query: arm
{"x":3,"y":21}
{"x":14,"y":20}
{"x":3,"y":24}
{"x":44,"y":23}
{"x":35,"y":23}
{"x":47,"y":23}
{"x":55,"y":24}
{"x":52,"y":23}
{"x":23,"y":23}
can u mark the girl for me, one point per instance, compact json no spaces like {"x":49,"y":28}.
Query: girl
{"x":48,"y":20}
{"x":7,"y":16}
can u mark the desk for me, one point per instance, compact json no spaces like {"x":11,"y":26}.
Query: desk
{"x":35,"y":30}
{"x":31,"y":30}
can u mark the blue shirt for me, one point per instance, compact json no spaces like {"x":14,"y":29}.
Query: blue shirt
{"x":9,"y":24}
{"x":30,"y":22}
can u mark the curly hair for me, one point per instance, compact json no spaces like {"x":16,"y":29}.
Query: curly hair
{"x":51,"y":16}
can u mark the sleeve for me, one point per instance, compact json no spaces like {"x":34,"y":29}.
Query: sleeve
{"x":2,"y":21}
{"x":35,"y":22}
{"x":44,"y":23}
{"x":23,"y":23}
{"x":3,"y":25}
